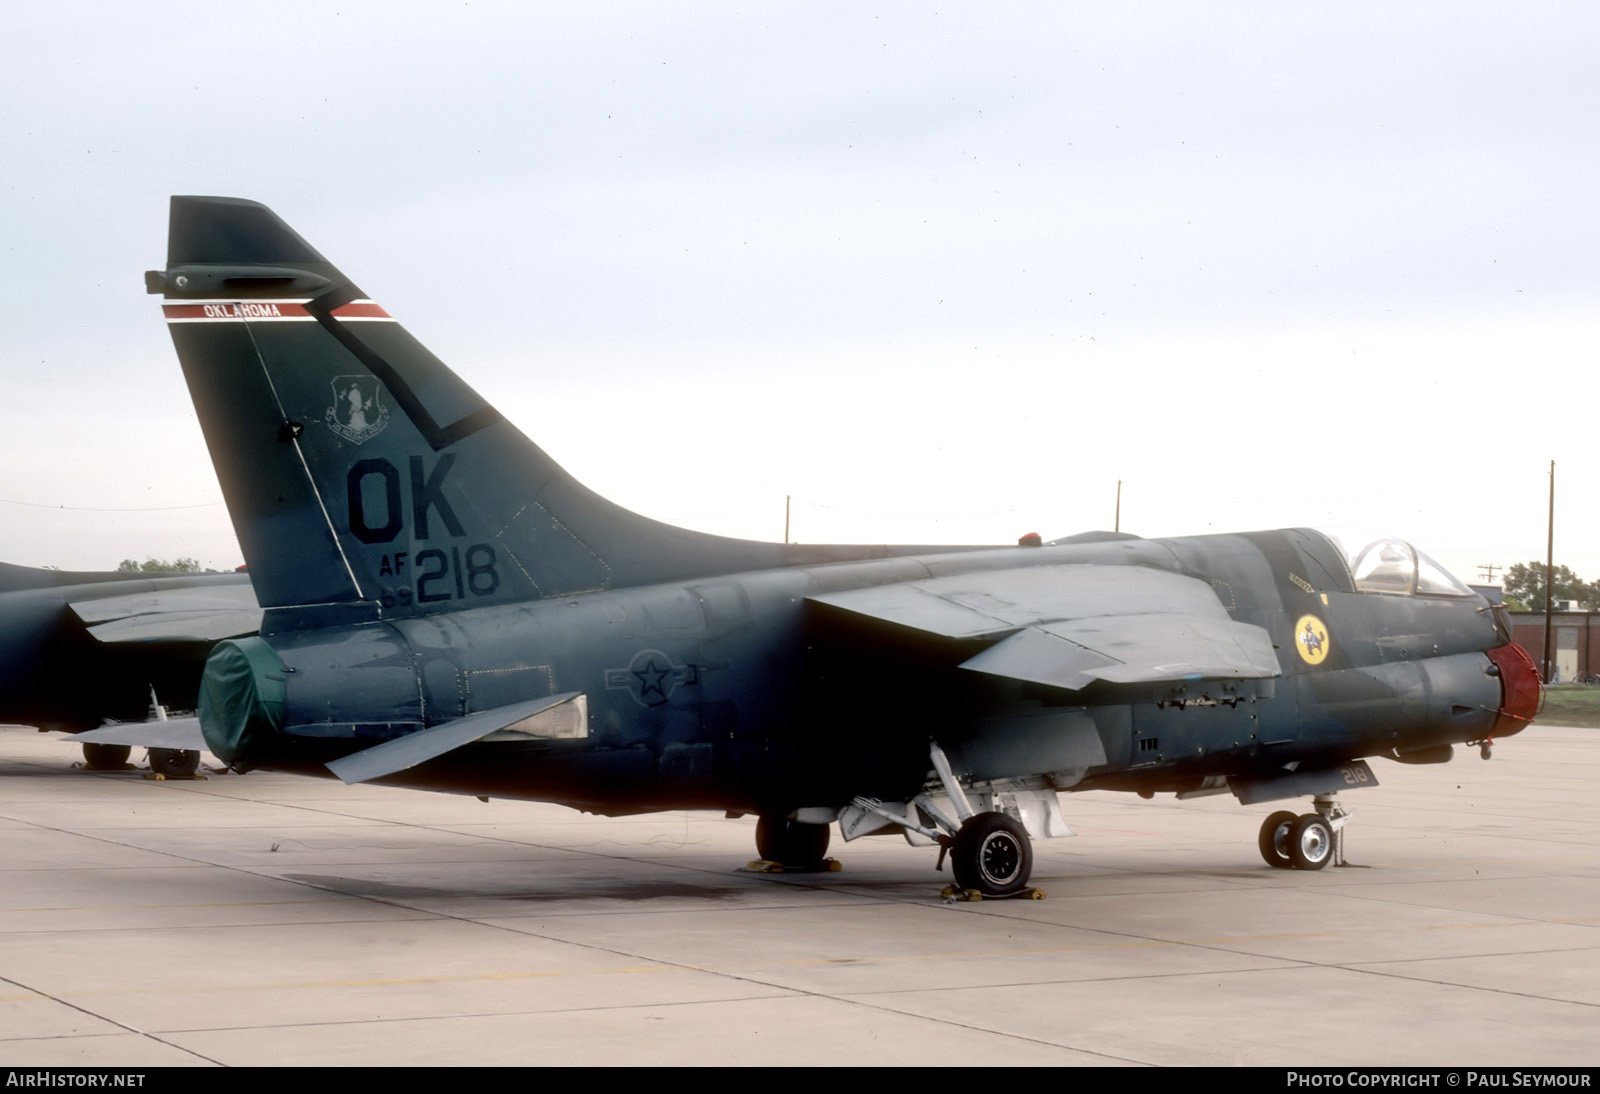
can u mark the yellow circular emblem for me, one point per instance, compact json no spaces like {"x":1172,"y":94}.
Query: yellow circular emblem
{"x":1311,"y":639}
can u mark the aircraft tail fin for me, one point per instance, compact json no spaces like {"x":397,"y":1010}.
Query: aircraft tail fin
{"x":362,"y":475}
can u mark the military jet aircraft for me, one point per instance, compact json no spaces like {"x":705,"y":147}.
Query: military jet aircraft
{"x":446,"y":608}
{"x":80,"y":648}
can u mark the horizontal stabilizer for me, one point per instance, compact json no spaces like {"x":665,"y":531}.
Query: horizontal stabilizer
{"x":1134,"y":649}
{"x":426,"y":744}
{"x":174,"y":733}
{"x":206,"y":614}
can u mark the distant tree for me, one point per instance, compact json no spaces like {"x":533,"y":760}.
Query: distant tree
{"x":1525,"y":583}
{"x":159,"y":566}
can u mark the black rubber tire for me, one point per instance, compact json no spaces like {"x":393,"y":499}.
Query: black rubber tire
{"x":1311,"y":843}
{"x":1274,"y":839}
{"x":790,"y":843}
{"x":174,"y":763}
{"x":992,"y":854}
{"x":106,"y":757}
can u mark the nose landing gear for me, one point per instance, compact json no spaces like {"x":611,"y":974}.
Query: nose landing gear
{"x":1307,"y":842}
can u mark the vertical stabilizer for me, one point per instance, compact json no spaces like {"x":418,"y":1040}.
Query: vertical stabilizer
{"x":365,"y":477}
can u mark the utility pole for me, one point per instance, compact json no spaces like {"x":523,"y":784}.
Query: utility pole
{"x":786,"y":518}
{"x":1487,"y":569}
{"x":1117,"y":524}
{"x":1549,"y":568}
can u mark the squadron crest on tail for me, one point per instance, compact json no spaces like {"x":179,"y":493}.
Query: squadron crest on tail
{"x":357,"y":413}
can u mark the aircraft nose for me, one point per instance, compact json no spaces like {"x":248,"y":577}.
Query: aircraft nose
{"x":1521,"y":690}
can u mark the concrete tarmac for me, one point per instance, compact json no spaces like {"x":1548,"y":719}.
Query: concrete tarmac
{"x":274,"y":920}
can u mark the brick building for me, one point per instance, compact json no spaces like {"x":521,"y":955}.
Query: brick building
{"x":1575,"y":651}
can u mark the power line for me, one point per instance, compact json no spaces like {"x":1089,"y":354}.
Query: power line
{"x":95,"y":509}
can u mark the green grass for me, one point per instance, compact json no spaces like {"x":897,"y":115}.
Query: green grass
{"x":1571,"y":705}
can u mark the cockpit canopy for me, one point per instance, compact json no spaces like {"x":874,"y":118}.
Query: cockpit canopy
{"x":1387,"y":564}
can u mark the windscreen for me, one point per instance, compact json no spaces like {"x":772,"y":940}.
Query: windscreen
{"x":1388,"y":564}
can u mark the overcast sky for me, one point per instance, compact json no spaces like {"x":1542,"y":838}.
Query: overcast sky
{"x":944,"y":273}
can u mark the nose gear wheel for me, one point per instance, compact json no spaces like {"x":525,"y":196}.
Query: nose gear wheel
{"x":1310,"y":843}
{"x":1274,"y":839}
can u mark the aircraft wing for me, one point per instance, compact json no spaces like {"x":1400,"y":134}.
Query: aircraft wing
{"x":1067,"y":626}
{"x":201,"y":614}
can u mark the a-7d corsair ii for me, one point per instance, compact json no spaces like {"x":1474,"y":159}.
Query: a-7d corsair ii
{"x":79,"y":648}
{"x":446,"y":608}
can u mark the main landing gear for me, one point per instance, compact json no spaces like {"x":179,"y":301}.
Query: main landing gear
{"x":174,"y":763}
{"x":791,"y":843}
{"x":991,"y":853}
{"x":1307,"y":842}
{"x":170,"y":763}
{"x":106,"y":757}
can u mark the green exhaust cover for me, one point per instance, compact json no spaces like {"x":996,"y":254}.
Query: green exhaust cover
{"x":241,"y":697}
